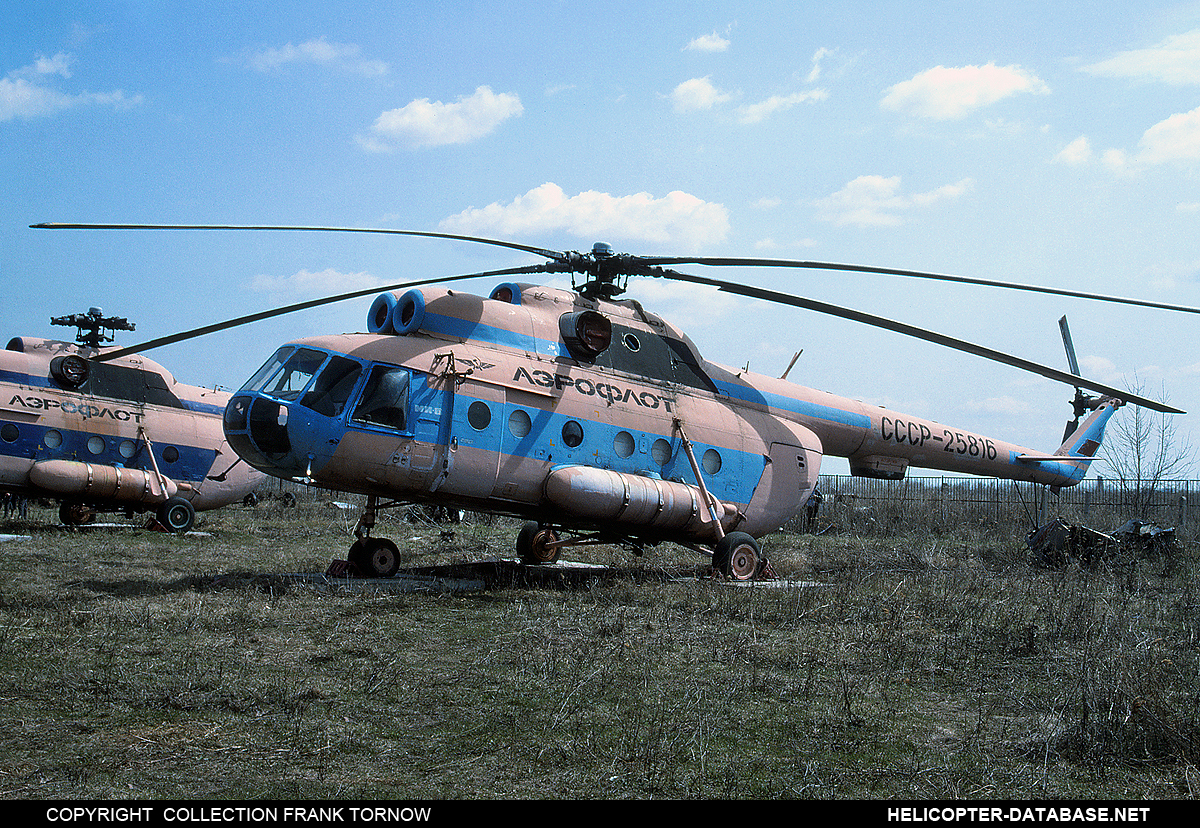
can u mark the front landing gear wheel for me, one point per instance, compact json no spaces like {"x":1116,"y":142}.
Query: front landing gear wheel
{"x":176,"y":515}
{"x":374,"y":557}
{"x":737,"y":556}
{"x":537,"y":544}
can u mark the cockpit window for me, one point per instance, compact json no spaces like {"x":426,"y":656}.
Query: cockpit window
{"x":331,"y":390}
{"x":289,"y":382}
{"x":267,"y":370}
{"x":385,"y":398}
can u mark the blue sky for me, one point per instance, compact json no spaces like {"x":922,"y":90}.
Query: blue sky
{"x":1054,"y":144}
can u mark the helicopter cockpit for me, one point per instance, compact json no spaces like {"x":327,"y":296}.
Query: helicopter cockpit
{"x":310,"y":395}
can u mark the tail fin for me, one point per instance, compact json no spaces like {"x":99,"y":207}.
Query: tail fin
{"x":1085,"y":441}
{"x":1074,"y":457}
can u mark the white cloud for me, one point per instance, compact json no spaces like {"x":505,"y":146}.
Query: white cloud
{"x":25,"y":94}
{"x":1000,"y":405}
{"x":817,"y":57}
{"x":1076,"y":153}
{"x":708,"y":43}
{"x":754,"y":113}
{"x":60,"y":64}
{"x":343,"y":56}
{"x":1099,"y":368}
{"x":306,"y":283}
{"x":1176,"y":60}
{"x":772,"y":244}
{"x":425,"y":123}
{"x":21,"y":99}
{"x":1175,"y":139}
{"x":875,"y":201}
{"x":677,"y":219}
{"x":1116,"y":161}
{"x":951,"y":93}
{"x":697,"y":94}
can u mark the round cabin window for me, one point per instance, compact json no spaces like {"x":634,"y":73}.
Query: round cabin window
{"x":661,"y":452}
{"x":623,"y":444}
{"x":572,"y":434}
{"x":711,"y":462}
{"x":479,"y":415}
{"x":519,"y":424}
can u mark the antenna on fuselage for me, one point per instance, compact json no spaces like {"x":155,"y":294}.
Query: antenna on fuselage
{"x":790,"y":364}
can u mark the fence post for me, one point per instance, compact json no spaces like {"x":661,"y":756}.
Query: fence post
{"x":1182,"y":512}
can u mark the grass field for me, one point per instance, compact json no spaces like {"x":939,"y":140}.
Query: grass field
{"x":915,"y":666}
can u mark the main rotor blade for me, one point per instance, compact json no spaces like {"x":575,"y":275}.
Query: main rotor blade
{"x":299,"y":306}
{"x":538,"y":251}
{"x":891,"y":271}
{"x":921,"y":333}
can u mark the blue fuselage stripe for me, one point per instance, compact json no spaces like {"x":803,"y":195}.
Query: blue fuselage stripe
{"x":792,"y":405}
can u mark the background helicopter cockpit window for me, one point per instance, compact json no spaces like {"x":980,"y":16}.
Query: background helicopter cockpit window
{"x":385,"y":398}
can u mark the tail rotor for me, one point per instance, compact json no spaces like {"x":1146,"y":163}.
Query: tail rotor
{"x":1082,"y":403}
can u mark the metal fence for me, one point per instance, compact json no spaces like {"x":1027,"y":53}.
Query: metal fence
{"x":863,"y":504}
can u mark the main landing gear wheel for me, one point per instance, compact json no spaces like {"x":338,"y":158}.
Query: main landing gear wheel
{"x":737,"y":556}
{"x":375,"y":557}
{"x":537,"y":544}
{"x":176,"y":515}
{"x":75,"y":514}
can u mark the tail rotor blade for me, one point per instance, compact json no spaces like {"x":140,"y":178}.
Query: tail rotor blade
{"x":1066,"y":337}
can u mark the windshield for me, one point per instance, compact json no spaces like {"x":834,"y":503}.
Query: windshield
{"x":288,"y":381}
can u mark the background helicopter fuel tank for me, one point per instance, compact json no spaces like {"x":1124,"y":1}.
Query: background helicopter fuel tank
{"x":586,"y":414}
{"x":119,"y":435}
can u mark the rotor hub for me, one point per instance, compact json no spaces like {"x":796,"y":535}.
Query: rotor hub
{"x":607,"y":273}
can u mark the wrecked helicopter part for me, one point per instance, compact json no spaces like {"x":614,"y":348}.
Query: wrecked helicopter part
{"x":1058,"y":542}
{"x":1146,"y":538}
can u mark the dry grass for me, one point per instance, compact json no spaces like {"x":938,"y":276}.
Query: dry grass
{"x":135,"y":664}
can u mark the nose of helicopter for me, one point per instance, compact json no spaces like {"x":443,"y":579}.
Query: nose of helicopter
{"x":284,"y":419}
{"x":271,"y":435}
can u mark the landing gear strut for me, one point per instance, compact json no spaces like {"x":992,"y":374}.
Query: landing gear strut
{"x":372,"y":557}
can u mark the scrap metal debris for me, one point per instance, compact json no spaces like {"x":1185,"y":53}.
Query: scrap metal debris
{"x":1146,"y":536}
{"x":1058,"y":542}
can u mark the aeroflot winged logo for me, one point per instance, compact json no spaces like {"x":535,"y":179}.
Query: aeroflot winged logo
{"x":612,"y":394}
